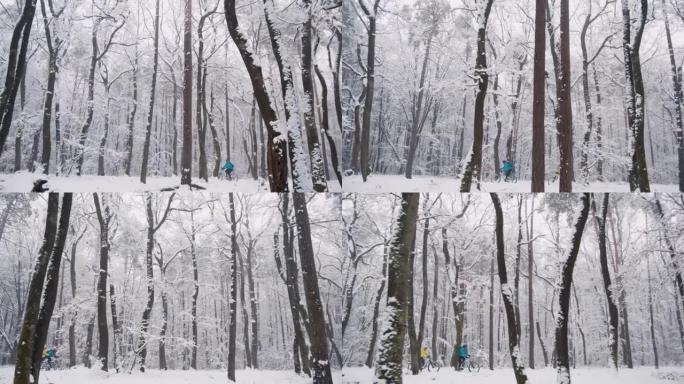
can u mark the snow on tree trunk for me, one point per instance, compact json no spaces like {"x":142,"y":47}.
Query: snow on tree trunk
{"x":390,"y":351}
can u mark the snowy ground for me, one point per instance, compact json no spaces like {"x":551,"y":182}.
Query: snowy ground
{"x":355,"y":376}
{"x":23,"y":182}
{"x":398,"y":183}
{"x":545,"y":376}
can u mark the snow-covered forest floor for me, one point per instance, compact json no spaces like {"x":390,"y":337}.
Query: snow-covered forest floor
{"x":394,"y":183}
{"x":23,"y":181}
{"x":644,"y":375}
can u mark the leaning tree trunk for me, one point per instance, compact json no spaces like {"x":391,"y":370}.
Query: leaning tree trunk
{"x":317,"y":335}
{"x":85,"y":127}
{"x":277,"y":153}
{"x":635,"y":96}
{"x":300,"y":179}
{"x":561,"y":347}
{"x":16,"y":66}
{"x":507,"y":295}
{"x":473,"y":167}
{"x":376,"y":312}
{"x":153,"y":88}
{"x":390,"y":350}
{"x":26,"y":342}
{"x":53,"y":48}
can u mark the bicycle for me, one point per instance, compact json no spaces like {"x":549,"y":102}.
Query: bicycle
{"x":233,"y":176}
{"x":473,"y":366}
{"x":427,"y":363}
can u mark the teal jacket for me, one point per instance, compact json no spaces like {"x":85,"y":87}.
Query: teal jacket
{"x":228,"y":166}
{"x":506,"y":167}
{"x":463,"y":351}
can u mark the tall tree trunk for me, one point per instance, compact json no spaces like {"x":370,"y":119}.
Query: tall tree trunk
{"x":565,"y":134}
{"x":29,"y":329}
{"x":530,"y":285}
{"x":390,"y":350}
{"x":635,"y":96}
{"x":131,"y":115}
{"x":650,"y":314}
{"x":277,"y":154}
{"x":153,"y":89}
{"x":16,"y":66}
{"x":317,"y":335}
{"x":186,"y":152}
{"x":613,"y":319}
{"x":507,"y":295}
{"x":474,"y":165}
{"x":102,"y":328}
{"x":376,"y":311}
{"x":289,"y":277}
{"x":53,"y":47}
{"x":561,"y":346}
{"x":195,"y":292}
{"x":232,"y":322}
{"x":370,"y":88}
{"x":90,"y":103}
{"x":491,"y":314}
{"x":116,"y":328}
{"x":678,"y":98}
{"x":315,"y":153}
{"x":325,"y":124}
{"x":538,"y":106}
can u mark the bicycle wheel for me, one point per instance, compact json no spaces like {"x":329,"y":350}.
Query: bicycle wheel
{"x":473,"y":366}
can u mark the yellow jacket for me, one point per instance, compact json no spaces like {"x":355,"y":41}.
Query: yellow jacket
{"x":424,"y":352}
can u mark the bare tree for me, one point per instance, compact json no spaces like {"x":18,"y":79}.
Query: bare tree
{"x":153,"y":89}
{"x":539,"y":95}
{"x":104,"y":218}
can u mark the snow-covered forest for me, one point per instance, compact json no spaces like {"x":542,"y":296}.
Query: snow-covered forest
{"x":575,"y":94}
{"x":341,"y":288}
{"x":163,"y":91}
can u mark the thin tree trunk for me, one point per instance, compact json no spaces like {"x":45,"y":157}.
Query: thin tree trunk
{"x":186,"y":152}
{"x":232,"y":322}
{"x":565,"y":135}
{"x":153,"y":88}
{"x":370,"y":88}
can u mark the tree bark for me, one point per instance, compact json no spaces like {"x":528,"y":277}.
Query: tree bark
{"x":565,"y":132}
{"x":538,"y":106}
{"x":16,"y":66}
{"x":561,"y":347}
{"x":635,"y":96}
{"x":102,"y":328}
{"x":29,"y":329}
{"x":186,"y":152}
{"x":390,"y":350}
{"x":153,"y":89}
{"x":474,"y":165}
{"x":276,"y":154}
{"x":232,"y":322}
{"x":506,"y":294}
{"x":317,"y":335}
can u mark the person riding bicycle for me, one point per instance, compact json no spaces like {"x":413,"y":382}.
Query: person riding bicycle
{"x":507,"y":169}
{"x":424,"y":356}
{"x":462,"y":355}
{"x":49,"y":355}
{"x":228,"y":168}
